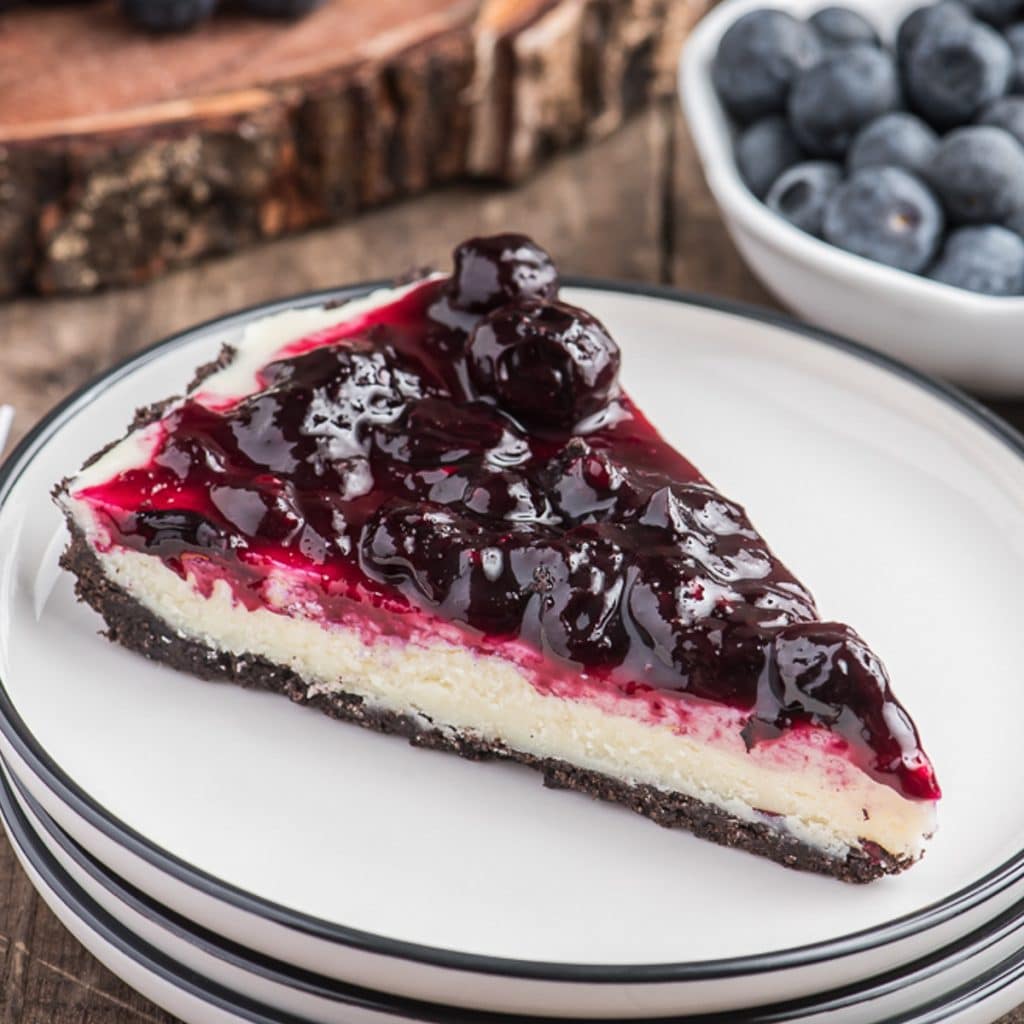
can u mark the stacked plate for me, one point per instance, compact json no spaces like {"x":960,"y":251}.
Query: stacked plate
{"x":238,"y":858}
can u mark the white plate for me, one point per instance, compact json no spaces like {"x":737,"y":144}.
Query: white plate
{"x":197,"y":1000}
{"x":178,"y":989}
{"x":901,"y":505}
{"x":315,"y":999}
{"x":972,"y":339}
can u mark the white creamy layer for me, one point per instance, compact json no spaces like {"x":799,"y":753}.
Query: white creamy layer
{"x":819,"y":797}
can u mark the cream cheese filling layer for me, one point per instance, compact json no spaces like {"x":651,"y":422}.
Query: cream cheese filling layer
{"x":819,"y":797}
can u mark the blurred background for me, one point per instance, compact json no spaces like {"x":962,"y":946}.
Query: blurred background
{"x":154,"y":181}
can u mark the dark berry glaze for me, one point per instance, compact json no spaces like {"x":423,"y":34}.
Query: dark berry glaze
{"x":400,"y":467}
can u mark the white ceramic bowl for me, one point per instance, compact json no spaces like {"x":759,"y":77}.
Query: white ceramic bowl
{"x":976,"y":341}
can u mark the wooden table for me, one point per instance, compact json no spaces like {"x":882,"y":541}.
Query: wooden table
{"x":634,"y":207}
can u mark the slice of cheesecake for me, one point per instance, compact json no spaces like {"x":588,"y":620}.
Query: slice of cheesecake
{"x":433,"y":511}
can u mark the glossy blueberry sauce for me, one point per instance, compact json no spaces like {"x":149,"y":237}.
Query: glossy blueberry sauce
{"x":464,"y":453}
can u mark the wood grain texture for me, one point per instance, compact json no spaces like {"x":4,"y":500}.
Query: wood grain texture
{"x":632,"y":206}
{"x":123,"y":155}
{"x":593,"y":207}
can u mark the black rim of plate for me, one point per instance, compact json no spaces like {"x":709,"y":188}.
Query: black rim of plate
{"x":30,"y":830}
{"x":987,"y":985}
{"x":95,"y":814}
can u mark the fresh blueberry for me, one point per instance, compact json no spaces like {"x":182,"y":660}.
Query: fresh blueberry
{"x":978,"y":173}
{"x":547,"y":363}
{"x":887,"y":215}
{"x":1007,"y":113}
{"x":1015,"y":222}
{"x":801,"y":193}
{"x":987,"y":259}
{"x":168,"y":15}
{"x":493,"y":270}
{"x":894,"y":140}
{"x":764,"y":151}
{"x":840,"y":27}
{"x":926,"y":17}
{"x":996,"y":12}
{"x":281,"y":8}
{"x":757,"y":60}
{"x":1015,"y":39}
{"x":954,"y":69}
{"x":832,"y":101}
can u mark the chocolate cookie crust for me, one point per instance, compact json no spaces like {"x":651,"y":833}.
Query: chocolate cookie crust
{"x":133,"y":626}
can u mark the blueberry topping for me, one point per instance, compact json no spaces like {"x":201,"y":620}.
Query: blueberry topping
{"x":954,"y":69}
{"x":978,"y":173}
{"x":758,"y":58}
{"x":996,"y":12}
{"x":839,"y":27}
{"x":800,"y":194}
{"x":440,"y":556}
{"x":546,"y":363}
{"x":987,"y":259}
{"x":894,"y":140}
{"x":168,"y":532}
{"x":577,"y":585}
{"x":813,"y":670}
{"x":764,"y":151}
{"x":1007,"y":113}
{"x":494,"y":270}
{"x":832,"y":101}
{"x":887,"y":215}
{"x":168,"y":15}
{"x":929,"y":16}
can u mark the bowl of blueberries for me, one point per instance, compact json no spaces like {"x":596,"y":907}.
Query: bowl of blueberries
{"x":868,"y":160}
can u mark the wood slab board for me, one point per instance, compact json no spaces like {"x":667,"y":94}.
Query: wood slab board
{"x":123,"y":154}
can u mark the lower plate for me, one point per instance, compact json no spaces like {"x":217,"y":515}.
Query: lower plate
{"x":192,"y":975}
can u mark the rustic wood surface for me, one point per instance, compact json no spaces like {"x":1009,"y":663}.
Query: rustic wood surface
{"x":633,"y":206}
{"x":245,"y":129}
